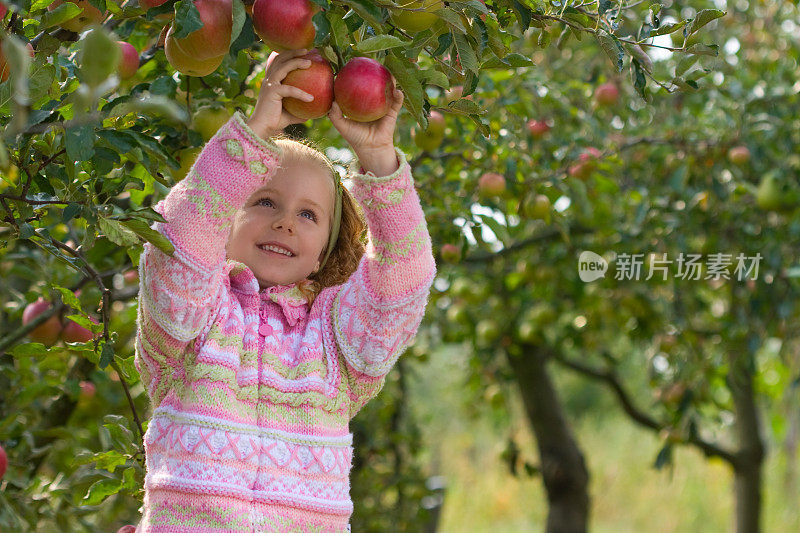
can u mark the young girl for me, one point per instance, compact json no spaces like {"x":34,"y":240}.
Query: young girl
{"x":272,"y":325}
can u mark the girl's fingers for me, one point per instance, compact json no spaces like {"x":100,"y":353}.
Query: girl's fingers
{"x":284,"y":69}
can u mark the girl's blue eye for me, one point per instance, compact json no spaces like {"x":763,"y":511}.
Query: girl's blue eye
{"x":312,"y":217}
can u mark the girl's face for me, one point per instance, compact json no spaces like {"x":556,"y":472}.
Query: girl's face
{"x":292,"y":210}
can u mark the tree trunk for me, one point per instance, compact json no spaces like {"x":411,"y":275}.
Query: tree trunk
{"x":750,"y":455}
{"x":564,"y":472}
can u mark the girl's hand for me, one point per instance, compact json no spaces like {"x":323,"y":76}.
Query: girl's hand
{"x":269,"y":117}
{"x":370,"y":140}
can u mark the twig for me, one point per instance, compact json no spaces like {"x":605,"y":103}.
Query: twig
{"x":640,"y":417}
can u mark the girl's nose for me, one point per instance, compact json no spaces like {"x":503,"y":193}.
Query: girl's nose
{"x":284,"y":222}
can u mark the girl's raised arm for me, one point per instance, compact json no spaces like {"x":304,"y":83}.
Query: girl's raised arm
{"x":179,"y":295}
{"x":376,"y":313}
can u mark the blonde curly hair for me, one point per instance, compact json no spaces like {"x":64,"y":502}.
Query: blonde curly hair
{"x":351,"y":244}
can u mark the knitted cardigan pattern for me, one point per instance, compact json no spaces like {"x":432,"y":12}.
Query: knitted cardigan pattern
{"x":253,"y":390}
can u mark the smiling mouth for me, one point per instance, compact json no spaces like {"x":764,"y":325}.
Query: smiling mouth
{"x":273,"y":250}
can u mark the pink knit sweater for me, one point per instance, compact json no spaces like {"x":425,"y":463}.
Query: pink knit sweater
{"x":252,"y":391}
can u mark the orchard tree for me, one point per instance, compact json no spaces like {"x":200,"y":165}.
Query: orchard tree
{"x":702,"y":165}
{"x":94,"y":137}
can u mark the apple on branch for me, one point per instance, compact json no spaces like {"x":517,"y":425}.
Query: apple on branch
{"x":450,"y":253}
{"x":739,"y":155}
{"x":417,"y":15}
{"x":129,"y":63}
{"x":185,"y":63}
{"x":538,"y":128}
{"x":363,"y":89}
{"x":90,"y":15}
{"x":317,"y":80}
{"x":47,"y":333}
{"x":431,"y":138}
{"x":606,"y":94}
{"x":214,"y":38}
{"x":491,"y":184}
{"x":207,"y":119}
{"x":285,"y":24}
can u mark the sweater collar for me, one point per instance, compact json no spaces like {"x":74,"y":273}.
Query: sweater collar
{"x":288,"y":297}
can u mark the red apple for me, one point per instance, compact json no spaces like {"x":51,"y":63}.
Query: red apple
{"x":47,"y":333}
{"x":74,"y":332}
{"x":739,"y":155}
{"x":3,"y":10}
{"x":316,"y":80}
{"x":89,"y":15}
{"x":148,"y":4}
{"x":450,"y":253}
{"x":430,"y":139}
{"x":420,"y":19}
{"x":87,"y":389}
{"x":183,"y":62}
{"x":131,"y":276}
{"x":127,"y":529}
{"x":606,"y":94}
{"x":363,"y":89}
{"x":491,"y":184}
{"x":586,"y":163}
{"x":129,"y":63}
{"x":214,"y":38}
{"x":3,"y":462}
{"x":5,"y":69}
{"x":285,"y":24}
{"x":538,"y":128}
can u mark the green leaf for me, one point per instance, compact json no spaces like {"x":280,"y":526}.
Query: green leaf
{"x":79,"y":142}
{"x":500,"y":231}
{"x":639,"y":80}
{"x":106,"y":356}
{"x":409,"y":84}
{"x":465,"y":107}
{"x":523,"y":14}
{"x":30,"y":349}
{"x":379,"y":42}
{"x":239,"y":16}
{"x":452,"y":19}
{"x":322,"y":29}
{"x":68,"y":297}
{"x":368,"y":11}
{"x":669,"y":27}
{"x":62,"y":13}
{"x":152,"y":236}
{"x":703,"y":49}
{"x":70,"y":211}
{"x":684,"y":64}
{"x":339,"y":32}
{"x":150,"y":106}
{"x":116,"y":232}
{"x":101,"y":490}
{"x":434,"y":77}
{"x":465,"y":52}
{"x":704,"y":17}
{"x":512,"y":60}
{"x":445,"y":40}
{"x":612,"y":47}
{"x":86,"y":323}
{"x":99,"y":56}
{"x":187,"y":19}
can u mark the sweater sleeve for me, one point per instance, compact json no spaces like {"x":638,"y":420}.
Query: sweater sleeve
{"x":180,"y":294}
{"x":377,"y":311}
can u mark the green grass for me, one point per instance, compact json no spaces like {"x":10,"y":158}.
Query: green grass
{"x":628,"y":494}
